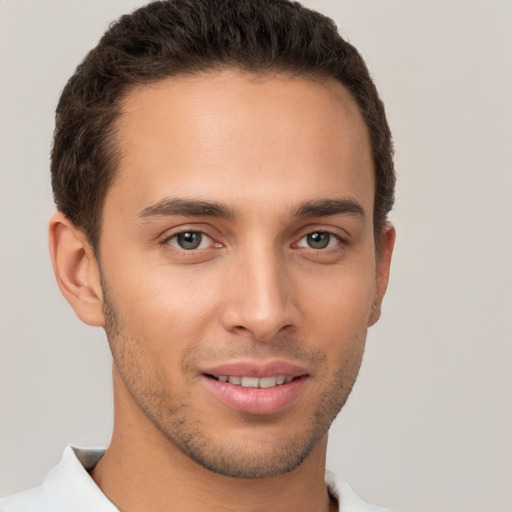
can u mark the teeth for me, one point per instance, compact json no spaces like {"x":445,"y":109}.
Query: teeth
{"x":267,"y":382}
{"x":255,"y":382}
{"x":250,"y":382}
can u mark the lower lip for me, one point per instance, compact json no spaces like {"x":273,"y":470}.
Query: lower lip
{"x":256,"y":400}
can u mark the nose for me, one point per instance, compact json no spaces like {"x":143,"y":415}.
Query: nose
{"x":261,"y":299}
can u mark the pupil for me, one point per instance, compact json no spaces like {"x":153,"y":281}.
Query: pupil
{"x":189,"y":240}
{"x":318,"y":240}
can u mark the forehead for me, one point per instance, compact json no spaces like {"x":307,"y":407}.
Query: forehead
{"x":225,"y":134}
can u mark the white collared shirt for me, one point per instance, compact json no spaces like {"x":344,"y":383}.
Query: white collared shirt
{"x":68,"y":487}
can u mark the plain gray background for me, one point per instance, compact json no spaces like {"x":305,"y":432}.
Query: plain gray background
{"x":429,"y":424}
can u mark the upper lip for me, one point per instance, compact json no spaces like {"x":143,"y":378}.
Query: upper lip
{"x":255,"y":369}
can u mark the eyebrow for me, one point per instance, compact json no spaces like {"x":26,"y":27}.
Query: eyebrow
{"x":198,"y":208}
{"x":187,"y":207}
{"x":327,"y":207}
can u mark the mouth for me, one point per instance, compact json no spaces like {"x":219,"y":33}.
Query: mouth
{"x":256,"y":388}
{"x":253,"y":382}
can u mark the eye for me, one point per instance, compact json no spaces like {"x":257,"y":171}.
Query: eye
{"x":319,"y":240}
{"x":190,"y":240}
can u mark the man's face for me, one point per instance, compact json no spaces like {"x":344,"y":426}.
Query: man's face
{"x":237,"y":251}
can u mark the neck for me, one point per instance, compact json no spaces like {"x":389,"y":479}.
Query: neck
{"x":142,"y":471}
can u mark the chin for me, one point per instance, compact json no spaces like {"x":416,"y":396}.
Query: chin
{"x":258,"y":460}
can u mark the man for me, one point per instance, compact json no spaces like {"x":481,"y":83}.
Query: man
{"x":223,"y":173}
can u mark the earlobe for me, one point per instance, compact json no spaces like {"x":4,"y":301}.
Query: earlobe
{"x":76,"y":270}
{"x":383,"y":263}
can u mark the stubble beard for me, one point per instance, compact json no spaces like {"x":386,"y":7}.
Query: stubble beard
{"x":192,"y":435}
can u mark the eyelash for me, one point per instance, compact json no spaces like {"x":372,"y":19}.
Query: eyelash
{"x":332,"y":235}
{"x":167,"y":240}
{"x":340,"y":241}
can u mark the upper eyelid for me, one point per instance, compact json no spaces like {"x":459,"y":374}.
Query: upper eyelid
{"x":166,"y":242}
{"x":181,"y":231}
{"x":171,"y":233}
{"x":338,"y":232}
{"x":340,"y":239}
{"x":169,"y":237}
{"x":323,"y":230}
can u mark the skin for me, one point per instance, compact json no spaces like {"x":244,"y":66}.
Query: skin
{"x":254,"y":290}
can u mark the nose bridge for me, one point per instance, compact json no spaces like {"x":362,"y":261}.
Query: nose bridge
{"x":261,"y":302}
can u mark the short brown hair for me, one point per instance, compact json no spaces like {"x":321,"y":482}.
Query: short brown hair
{"x":175,"y":37}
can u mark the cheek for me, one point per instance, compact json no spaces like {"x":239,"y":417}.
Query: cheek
{"x":340,"y":299}
{"x":163,"y":305}
{"x":337,"y":314}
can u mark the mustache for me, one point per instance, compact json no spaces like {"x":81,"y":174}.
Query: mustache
{"x":289,"y":348}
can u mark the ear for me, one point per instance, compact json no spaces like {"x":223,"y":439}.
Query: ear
{"x":76,"y":269}
{"x":387,"y":242}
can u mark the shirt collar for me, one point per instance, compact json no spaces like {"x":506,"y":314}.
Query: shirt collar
{"x":73,"y":485}
{"x":71,"y":482}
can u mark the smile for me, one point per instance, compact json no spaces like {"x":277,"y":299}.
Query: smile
{"x":255,"y":382}
{"x":254,"y":387}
